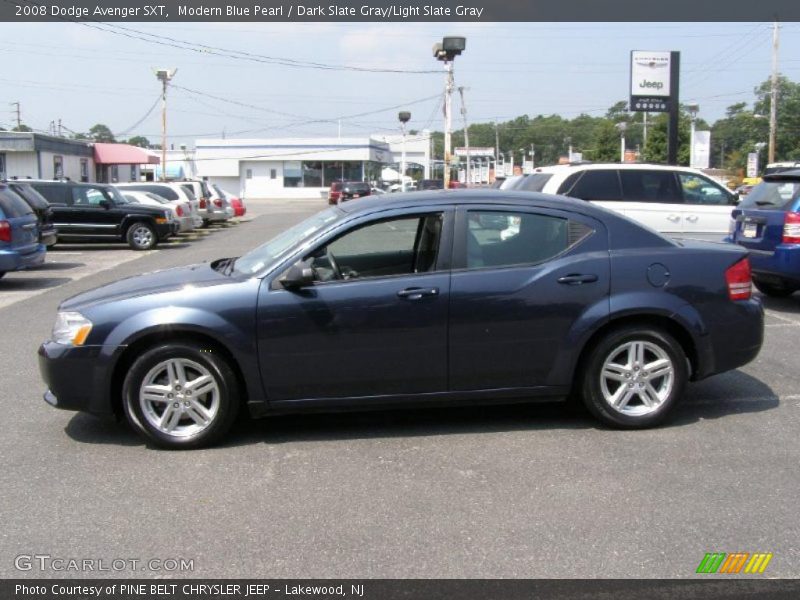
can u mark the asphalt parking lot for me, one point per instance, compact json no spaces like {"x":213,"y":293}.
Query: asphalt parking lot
{"x":511,"y":491}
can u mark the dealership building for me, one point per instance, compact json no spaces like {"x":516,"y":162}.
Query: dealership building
{"x":295,"y":167}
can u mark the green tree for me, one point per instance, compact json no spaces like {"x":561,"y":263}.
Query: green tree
{"x":139,"y":140}
{"x":22,"y":127}
{"x":101,"y":133}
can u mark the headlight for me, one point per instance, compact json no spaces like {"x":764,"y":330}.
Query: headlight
{"x":71,"y":329}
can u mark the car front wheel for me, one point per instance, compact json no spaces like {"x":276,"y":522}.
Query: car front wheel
{"x":181,"y":396}
{"x":633,"y":377}
{"x":141,"y":236}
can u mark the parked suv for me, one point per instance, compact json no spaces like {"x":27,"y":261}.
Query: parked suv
{"x":676,"y":201}
{"x":94,"y":211}
{"x":767,"y":222}
{"x":19,"y":233}
{"x":48,"y":234}
{"x":348,"y":190}
{"x":168,"y":191}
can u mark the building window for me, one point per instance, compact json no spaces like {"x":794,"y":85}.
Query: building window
{"x":84,"y":169}
{"x":114,"y":173}
{"x":312,"y":174}
{"x":248,"y":174}
{"x":133,"y":173}
{"x":58,"y":167}
{"x":347,"y":170}
{"x":293,"y":174}
{"x":273,"y":173}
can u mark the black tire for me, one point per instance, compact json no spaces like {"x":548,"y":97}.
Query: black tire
{"x":206,"y":223}
{"x":774,"y":290}
{"x":657,"y":345}
{"x":222,"y":404}
{"x":141,"y":236}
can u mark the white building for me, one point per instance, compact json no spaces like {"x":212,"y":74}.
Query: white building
{"x":24,"y":154}
{"x":418,"y":150}
{"x":287,"y":167}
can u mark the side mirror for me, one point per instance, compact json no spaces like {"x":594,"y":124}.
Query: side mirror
{"x":298,"y":276}
{"x":734,"y":199}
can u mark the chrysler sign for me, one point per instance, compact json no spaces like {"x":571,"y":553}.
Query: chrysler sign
{"x":650,"y":81}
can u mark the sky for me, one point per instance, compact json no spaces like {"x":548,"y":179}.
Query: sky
{"x":103,"y":73}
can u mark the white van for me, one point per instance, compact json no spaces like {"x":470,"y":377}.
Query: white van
{"x":676,"y":201}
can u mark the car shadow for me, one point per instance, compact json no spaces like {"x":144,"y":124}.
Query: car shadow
{"x":790,"y":304}
{"x":57,"y":266}
{"x":710,"y":399}
{"x":9,"y":283}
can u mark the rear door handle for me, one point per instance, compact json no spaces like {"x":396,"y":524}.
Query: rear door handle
{"x":674,"y":218}
{"x":576,"y":279}
{"x":692,"y":218}
{"x":416,"y":293}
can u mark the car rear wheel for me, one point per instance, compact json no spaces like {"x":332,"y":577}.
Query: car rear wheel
{"x":180,"y":396}
{"x":633,"y":377}
{"x":774,"y":290}
{"x":141,"y":236}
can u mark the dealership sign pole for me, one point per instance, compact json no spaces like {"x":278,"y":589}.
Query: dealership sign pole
{"x":655,"y":78}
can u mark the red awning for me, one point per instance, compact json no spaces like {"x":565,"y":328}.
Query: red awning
{"x":122,"y":154}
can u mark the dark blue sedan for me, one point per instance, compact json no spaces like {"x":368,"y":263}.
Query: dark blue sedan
{"x":421,"y":299}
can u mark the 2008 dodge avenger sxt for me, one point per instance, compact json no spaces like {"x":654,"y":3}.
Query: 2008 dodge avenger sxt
{"x":454,"y":296}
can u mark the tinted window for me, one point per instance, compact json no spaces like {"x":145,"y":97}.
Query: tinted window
{"x":162,"y":190}
{"x":779,"y":195}
{"x":533,"y":183}
{"x":54,"y":193}
{"x":501,"y":239}
{"x":34,"y":198}
{"x":597,"y":185}
{"x":650,"y":186}
{"x":567,"y":184}
{"x":89,"y":196}
{"x":12,"y":205}
{"x":698,"y":190}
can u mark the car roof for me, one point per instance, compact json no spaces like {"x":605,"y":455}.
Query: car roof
{"x":793,"y":174}
{"x":67,"y":182}
{"x":623,"y":166}
{"x":471,"y":196}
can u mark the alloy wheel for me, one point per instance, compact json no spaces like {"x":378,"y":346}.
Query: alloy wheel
{"x":636,"y":378}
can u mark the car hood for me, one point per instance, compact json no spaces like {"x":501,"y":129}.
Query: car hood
{"x":157,"y":282}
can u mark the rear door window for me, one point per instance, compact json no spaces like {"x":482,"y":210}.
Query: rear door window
{"x":534,"y":183}
{"x":12,"y":205}
{"x":660,"y":187}
{"x":602,"y":184}
{"x":54,"y":193}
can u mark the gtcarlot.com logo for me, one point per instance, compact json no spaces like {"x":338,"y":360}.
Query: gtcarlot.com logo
{"x":736,"y":562}
{"x":46,"y":562}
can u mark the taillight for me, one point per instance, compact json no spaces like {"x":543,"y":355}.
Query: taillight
{"x":5,"y":231}
{"x":218,"y":203}
{"x":202,"y":202}
{"x":791,"y":228}
{"x":179,"y":211}
{"x":739,"y":280}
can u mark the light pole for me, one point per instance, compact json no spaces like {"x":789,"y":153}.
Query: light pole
{"x":404,"y":117}
{"x":622,"y":127}
{"x":693,"y":109}
{"x":446,"y":51}
{"x":164,"y":76}
{"x":466,"y":134}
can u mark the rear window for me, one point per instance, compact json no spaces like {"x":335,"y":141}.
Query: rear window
{"x":775,"y":195}
{"x":162,"y":190}
{"x":12,"y":205}
{"x":597,"y":185}
{"x":357,"y":185}
{"x":34,"y":198}
{"x":533,"y":183}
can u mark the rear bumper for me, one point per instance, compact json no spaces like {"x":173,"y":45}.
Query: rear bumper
{"x":12,"y":260}
{"x":48,"y":237}
{"x":783,"y":263}
{"x":74,"y":379}
{"x":734,"y":336}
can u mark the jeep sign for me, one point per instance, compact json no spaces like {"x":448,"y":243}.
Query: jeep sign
{"x":650,"y":81}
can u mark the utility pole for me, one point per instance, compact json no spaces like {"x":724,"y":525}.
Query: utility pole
{"x":19,"y":119}
{"x":446,"y":51}
{"x":466,"y":133}
{"x":496,"y":147}
{"x":59,"y":128}
{"x":773,"y":103}
{"x":164,"y":76}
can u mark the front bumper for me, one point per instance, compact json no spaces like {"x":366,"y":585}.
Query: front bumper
{"x":165,"y":230}
{"x":12,"y":260}
{"x":75,"y":378}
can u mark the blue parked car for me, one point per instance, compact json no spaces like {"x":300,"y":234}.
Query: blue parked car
{"x":767,"y":223}
{"x":416,"y":300}
{"x":19,"y":233}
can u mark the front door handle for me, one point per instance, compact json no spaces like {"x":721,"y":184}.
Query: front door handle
{"x":577,"y":279}
{"x":415,"y":293}
{"x":674,"y":218}
{"x":692,"y":218}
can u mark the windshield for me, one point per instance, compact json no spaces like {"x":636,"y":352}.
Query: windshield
{"x":255,"y":260}
{"x":772,"y":194}
{"x":116,"y":195}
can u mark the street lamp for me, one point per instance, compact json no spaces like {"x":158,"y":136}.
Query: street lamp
{"x":404,"y":117}
{"x":164,"y":76}
{"x":446,"y":51}
{"x":622,"y":127}
{"x":693,"y":109}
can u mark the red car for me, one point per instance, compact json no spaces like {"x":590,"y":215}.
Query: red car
{"x":239,"y":209}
